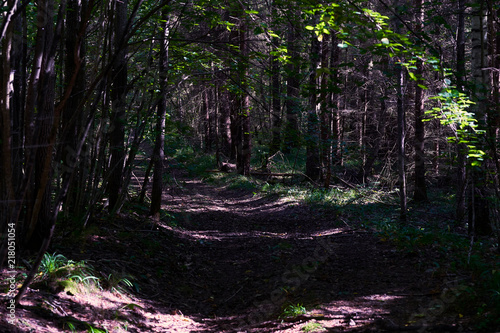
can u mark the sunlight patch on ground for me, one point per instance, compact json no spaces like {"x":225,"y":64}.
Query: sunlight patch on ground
{"x":241,"y":206}
{"x":329,"y":232}
{"x":381,"y":298}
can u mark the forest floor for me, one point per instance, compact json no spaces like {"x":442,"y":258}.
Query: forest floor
{"x":230,"y":260}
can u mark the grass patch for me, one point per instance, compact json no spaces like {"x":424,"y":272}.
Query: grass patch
{"x":313,"y":326}
{"x":293,"y":310}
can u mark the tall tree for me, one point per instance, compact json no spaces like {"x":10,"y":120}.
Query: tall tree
{"x":479,"y":219}
{"x":291,"y":135}
{"x":72,"y":115}
{"x":275,"y":100}
{"x":420,"y":191}
{"x":118,"y":101}
{"x":39,"y":220}
{"x":7,"y":101}
{"x":158,"y":154}
{"x":461,"y":147}
{"x":313,"y":131}
{"x":325,"y":114}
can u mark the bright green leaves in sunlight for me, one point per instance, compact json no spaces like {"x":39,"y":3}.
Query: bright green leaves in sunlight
{"x":453,"y":112}
{"x":369,"y":32}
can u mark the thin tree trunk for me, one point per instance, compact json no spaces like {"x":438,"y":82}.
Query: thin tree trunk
{"x":461,"y":148}
{"x":325,"y":119}
{"x":7,"y":195}
{"x":313,"y":131}
{"x":246,"y":144}
{"x":118,"y":96}
{"x":276,"y":102}
{"x":401,"y":144}
{"x":71,"y":116}
{"x":158,"y":154}
{"x":40,"y":215}
{"x":479,"y":220}
{"x":292,"y":106}
{"x":420,"y":193}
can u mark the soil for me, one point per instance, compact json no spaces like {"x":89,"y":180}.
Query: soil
{"x":230,"y":260}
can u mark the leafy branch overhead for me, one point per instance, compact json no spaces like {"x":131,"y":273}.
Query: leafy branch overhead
{"x":405,"y":51}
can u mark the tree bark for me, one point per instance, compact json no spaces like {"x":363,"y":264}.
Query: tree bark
{"x":461,"y":147}
{"x":118,"y":100}
{"x":243,"y":160}
{"x":292,"y":106}
{"x":39,"y":221}
{"x":325,"y":117}
{"x":158,"y":154}
{"x":276,"y":102}
{"x":479,"y":220}
{"x":420,"y":191}
{"x":313,"y":131}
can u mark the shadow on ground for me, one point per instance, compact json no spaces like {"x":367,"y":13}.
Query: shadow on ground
{"x":228,"y":260}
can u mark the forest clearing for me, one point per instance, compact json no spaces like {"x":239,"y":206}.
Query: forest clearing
{"x":250,"y":166}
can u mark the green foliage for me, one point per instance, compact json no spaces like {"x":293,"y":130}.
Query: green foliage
{"x":93,"y":329}
{"x":66,"y":273}
{"x":117,"y":283}
{"x":313,"y":326}
{"x":55,"y":266}
{"x":51,"y":263}
{"x":453,"y":113}
{"x":238,"y":182}
{"x":293,"y":310}
{"x":478,"y":266}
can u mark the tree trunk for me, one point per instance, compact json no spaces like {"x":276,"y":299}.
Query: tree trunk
{"x":158,"y":154}
{"x":292,"y":131}
{"x":325,"y":119}
{"x":420,"y":193}
{"x":276,"y":102}
{"x":312,"y":139}
{"x":461,"y":147}
{"x":72,"y":115}
{"x":243,"y":160}
{"x":401,"y":123}
{"x":7,"y":194}
{"x":401,"y":144}
{"x":479,"y":220}
{"x":118,"y":102}
{"x":39,"y":220}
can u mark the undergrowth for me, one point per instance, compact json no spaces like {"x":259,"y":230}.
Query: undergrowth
{"x":429,"y":229}
{"x":429,"y":232}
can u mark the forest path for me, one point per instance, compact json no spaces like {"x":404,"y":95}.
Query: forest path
{"x":230,"y":260}
{"x":241,"y":259}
